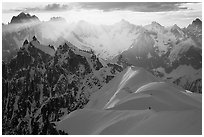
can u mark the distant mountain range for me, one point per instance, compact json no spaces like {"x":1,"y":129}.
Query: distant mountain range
{"x":52,"y":68}
{"x":172,"y":53}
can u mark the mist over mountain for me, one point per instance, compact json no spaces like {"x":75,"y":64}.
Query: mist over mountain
{"x":161,"y":50}
{"x":56,"y":73}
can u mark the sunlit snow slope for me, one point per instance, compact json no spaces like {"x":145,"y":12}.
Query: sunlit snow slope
{"x":136,"y":102}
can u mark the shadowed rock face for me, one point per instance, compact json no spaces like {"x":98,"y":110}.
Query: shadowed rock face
{"x":197,"y":22}
{"x":194,"y":31}
{"x":192,"y":57}
{"x":189,"y":54}
{"x":39,"y":89}
{"x":141,"y":53}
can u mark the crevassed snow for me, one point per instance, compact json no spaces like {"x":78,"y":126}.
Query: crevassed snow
{"x":135,"y":102}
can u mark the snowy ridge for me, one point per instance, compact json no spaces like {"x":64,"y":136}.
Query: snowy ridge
{"x":123,"y":84}
{"x":135,"y":102}
{"x":43,"y":48}
{"x":168,"y":48}
{"x":89,"y":83}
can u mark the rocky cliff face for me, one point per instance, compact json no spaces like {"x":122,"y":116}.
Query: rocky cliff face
{"x":39,"y":89}
{"x":163,"y":51}
{"x":173,"y":54}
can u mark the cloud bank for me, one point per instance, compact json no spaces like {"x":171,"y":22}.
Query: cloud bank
{"x":134,"y":6}
{"x":108,"y":6}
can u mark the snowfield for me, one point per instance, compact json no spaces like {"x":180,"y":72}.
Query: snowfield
{"x":136,"y":102}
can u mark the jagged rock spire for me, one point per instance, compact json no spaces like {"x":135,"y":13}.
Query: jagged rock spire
{"x":34,"y":38}
{"x":25,"y":42}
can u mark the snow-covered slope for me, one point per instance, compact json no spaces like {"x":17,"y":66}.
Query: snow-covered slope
{"x":135,"y":102}
{"x":45,"y":49}
{"x":41,"y":85}
{"x":136,"y":122}
{"x":123,"y":84}
{"x":168,"y":49}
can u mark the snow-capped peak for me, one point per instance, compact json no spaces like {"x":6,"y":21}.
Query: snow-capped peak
{"x":196,"y":25}
{"x":197,"y":22}
{"x":155,"y":27}
{"x":175,"y":26}
{"x":177,"y":31}
{"x":154,"y":23}
{"x":124,"y":24}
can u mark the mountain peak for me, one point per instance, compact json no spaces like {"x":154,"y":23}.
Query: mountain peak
{"x":58,"y":19}
{"x":23,"y":17}
{"x":24,"y":14}
{"x":197,"y":21}
{"x":175,"y":26}
{"x":25,"y":42}
{"x":195,"y":25}
{"x":123,"y":22}
{"x":154,"y":26}
{"x":34,"y":38}
{"x":155,"y":23}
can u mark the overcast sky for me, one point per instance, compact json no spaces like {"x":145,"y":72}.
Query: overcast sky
{"x":139,"y":13}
